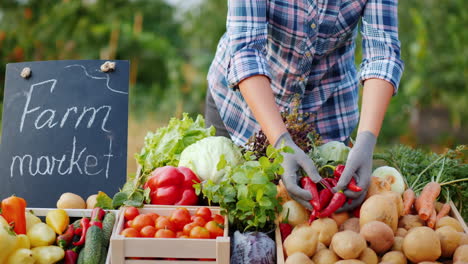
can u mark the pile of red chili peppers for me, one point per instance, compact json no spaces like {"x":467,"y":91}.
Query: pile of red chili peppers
{"x":324,"y":202}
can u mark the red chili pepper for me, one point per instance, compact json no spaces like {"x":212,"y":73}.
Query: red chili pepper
{"x":326,"y":184}
{"x":13,"y":210}
{"x":71,"y":257}
{"x":338,"y":170}
{"x":84,"y":225}
{"x":66,"y":238}
{"x":78,"y":231}
{"x":357,"y":212}
{"x":339,"y":198}
{"x":325,"y":196}
{"x":97,"y":216}
{"x":332,"y":181}
{"x":353,"y":186}
{"x":285,"y":227}
{"x":313,"y":216}
{"x":310,"y":186}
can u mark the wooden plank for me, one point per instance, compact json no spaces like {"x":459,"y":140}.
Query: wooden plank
{"x":168,"y":262}
{"x":279,"y":246}
{"x":456,"y":214}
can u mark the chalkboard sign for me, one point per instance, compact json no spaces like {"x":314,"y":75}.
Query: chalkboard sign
{"x":64,"y":129}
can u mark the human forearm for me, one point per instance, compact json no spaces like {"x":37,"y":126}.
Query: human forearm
{"x":375,"y":99}
{"x":257,"y":92}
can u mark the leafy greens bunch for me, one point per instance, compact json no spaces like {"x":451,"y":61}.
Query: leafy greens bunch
{"x":247,"y":192}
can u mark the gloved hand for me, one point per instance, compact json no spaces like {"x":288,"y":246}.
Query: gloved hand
{"x":358,"y":165}
{"x":291,"y":164}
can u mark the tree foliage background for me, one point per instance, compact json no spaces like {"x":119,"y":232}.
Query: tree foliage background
{"x":171,"y":43}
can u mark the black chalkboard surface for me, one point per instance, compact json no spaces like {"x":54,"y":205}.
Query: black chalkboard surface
{"x":64,"y":129}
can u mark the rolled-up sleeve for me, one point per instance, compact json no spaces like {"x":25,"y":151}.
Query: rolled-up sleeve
{"x":380,"y":44}
{"x":247,"y":33}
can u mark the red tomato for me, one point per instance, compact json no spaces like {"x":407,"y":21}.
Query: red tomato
{"x":141,"y":221}
{"x":204,"y":212}
{"x":199,"y":232}
{"x":179,"y":234}
{"x":188,"y":228}
{"x":199,"y":221}
{"x":128,"y":224}
{"x":153,"y":216}
{"x":180,"y":217}
{"x":163,"y":222}
{"x":165,"y":233}
{"x":184,"y":236}
{"x":148,"y":231}
{"x":130,"y":232}
{"x":215,"y":229}
{"x":218,"y":219}
{"x":130,"y":213}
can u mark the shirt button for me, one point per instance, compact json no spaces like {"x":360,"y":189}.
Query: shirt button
{"x":313,"y":25}
{"x":308,"y":54}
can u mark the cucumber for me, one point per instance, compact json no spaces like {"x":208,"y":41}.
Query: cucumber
{"x":80,"y":257}
{"x":107,"y":226}
{"x":103,"y":255}
{"x":93,"y":246}
{"x":77,"y":224}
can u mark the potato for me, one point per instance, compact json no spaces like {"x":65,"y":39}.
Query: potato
{"x":71,"y":201}
{"x":461,"y":254}
{"x":350,"y":261}
{"x":91,"y":201}
{"x":298,"y":258}
{"x":368,"y":256}
{"x":422,"y":244}
{"x":325,"y":256}
{"x":398,"y":244}
{"x":326,"y":227}
{"x":320,"y":246}
{"x":379,"y":235}
{"x":463,"y":238}
{"x":303,"y":239}
{"x":449,"y":240}
{"x":398,"y":201}
{"x":297,"y":213}
{"x":340,"y":218}
{"x":409,"y":221}
{"x":449,"y":221}
{"x":401,"y":232}
{"x":348,"y":244}
{"x":379,"y":208}
{"x":394,"y":257}
{"x":429,"y":262}
{"x":351,"y":224}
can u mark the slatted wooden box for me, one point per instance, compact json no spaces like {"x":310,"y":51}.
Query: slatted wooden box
{"x":159,"y":250}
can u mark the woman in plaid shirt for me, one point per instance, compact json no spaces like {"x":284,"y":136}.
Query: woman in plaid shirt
{"x":275,"y":49}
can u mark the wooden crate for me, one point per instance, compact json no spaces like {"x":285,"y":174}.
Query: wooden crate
{"x":187,"y":251}
{"x":281,"y":256}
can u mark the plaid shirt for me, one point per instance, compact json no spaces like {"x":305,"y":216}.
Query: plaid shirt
{"x":305,"y":47}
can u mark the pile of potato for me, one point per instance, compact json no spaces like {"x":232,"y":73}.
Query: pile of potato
{"x":382,"y":234}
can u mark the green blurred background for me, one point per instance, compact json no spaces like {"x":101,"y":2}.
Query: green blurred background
{"x":171,"y":43}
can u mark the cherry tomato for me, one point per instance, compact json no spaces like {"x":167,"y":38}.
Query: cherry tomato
{"x":180,"y":217}
{"x":163,"y":222}
{"x":130,"y":232}
{"x":154,"y":216}
{"x":165,"y":233}
{"x":215,"y":229}
{"x":199,"y":232}
{"x":188,"y":228}
{"x":179,"y":234}
{"x":199,"y":221}
{"x":148,"y":231}
{"x":141,"y":221}
{"x":218,"y":219}
{"x":204,"y":212}
{"x":130,"y":213}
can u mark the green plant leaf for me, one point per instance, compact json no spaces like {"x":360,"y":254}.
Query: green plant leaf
{"x":240,"y":178}
{"x":242,"y":192}
{"x":222,"y":163}
{"x":259,"y":195}
{"x":119,"y":199}
{"x":104,"y":201}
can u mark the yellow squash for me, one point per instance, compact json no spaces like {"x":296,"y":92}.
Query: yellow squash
{"x":8,"y":240}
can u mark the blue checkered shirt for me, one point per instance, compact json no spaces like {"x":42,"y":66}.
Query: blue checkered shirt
{"x":304,"y":47}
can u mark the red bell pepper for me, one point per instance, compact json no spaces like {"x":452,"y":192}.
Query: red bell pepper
{"x":172,"y":186}
{"x":71,"y":257}
{"x":325,"y":196}
{"x":13,"y":210}
{"x":285,"y":227}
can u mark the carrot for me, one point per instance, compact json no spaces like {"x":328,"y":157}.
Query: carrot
{"x":425,"y":201}
{"x":431,"y":222}
{"x":443,"y":211}
{"x":408,"y":200}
